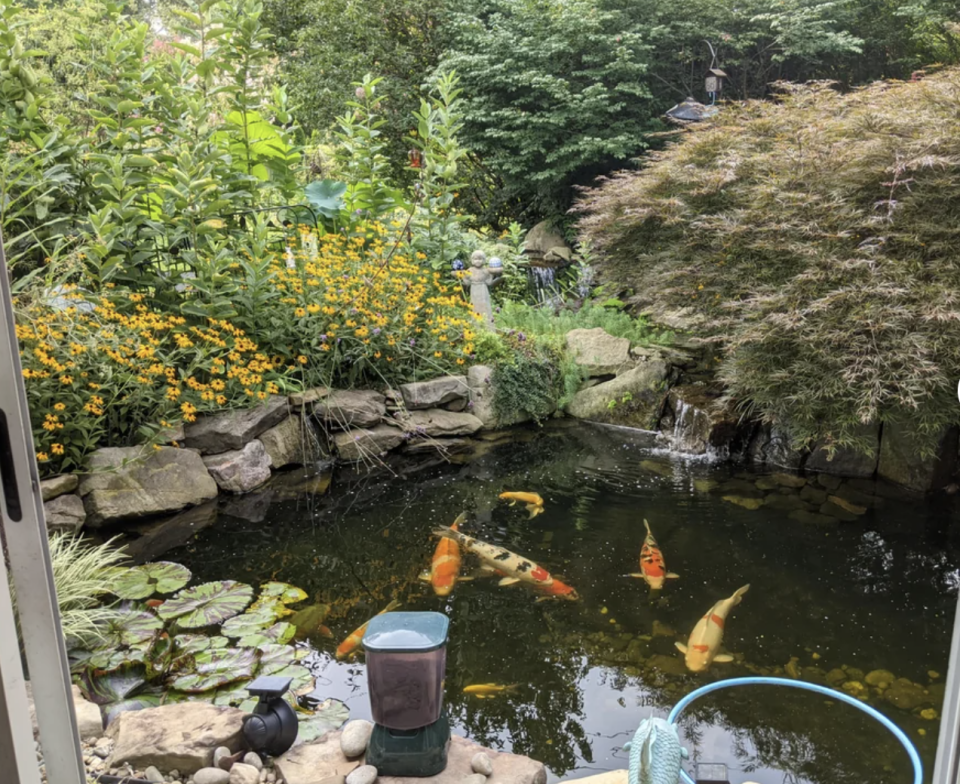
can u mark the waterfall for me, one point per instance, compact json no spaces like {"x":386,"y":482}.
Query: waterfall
{"x":543,"y":282}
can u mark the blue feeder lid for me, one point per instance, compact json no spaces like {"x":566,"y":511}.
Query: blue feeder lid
{"x":406,"y":632}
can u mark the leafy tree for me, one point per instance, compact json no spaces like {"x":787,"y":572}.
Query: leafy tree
{"x":815,"y":237}
{"x":554,"y":92}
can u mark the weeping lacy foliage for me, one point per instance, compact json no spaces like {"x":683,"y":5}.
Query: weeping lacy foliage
{"x":818,"y":239}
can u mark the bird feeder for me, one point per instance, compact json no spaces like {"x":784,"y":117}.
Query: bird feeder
{"x":406,"y":662}
{"x":713,"y":84}
{"x":416,"y":159}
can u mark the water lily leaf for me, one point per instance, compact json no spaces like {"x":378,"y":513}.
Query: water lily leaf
{"x":250,"y":622}
{"x":207,"y":604}
{"x":215,"y":668}
{"x":286,"y":593}
{"x":104,"y":688}
{"x":270,"y":604}
{"x":114,"y":709}
{"x":278,"y":633}
{"x":142,"y":582}
{"x":192,"y":643}
{"x":274,"y":658}
{"x":236,"y":694}
{"x":330,"y":715}
{"x":107,"y":660}
{"x":129,"y":628}
{"x":301,"y":678}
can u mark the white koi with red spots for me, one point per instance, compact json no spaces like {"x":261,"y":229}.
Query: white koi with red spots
{"x":516,"y":568}
{"x":702,"y":649}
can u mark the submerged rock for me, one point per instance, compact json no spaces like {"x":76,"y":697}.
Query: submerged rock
{"x":241,"y":470}
{"x":880,"y":678}
{"x":789,"y":480}
{"x":785,"y":503}
{"x":833,"y":510}
{"x":229,"y":430}
{"x":165,"y":480}
{"x":905,"y":695}
{"x":746,"y":503}
{"x":813,"y":495}
{"x":814,"y":518}
{"x":597,"y":352}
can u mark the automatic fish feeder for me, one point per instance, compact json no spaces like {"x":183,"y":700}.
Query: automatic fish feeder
{"x":406,"y":662}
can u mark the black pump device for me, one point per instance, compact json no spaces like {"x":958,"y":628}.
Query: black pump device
{"x":272,"y":727}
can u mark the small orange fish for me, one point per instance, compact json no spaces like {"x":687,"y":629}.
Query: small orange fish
{"x":653,"y":570}
{"x":445,"y":566}
{"x":533,"y":502}
{"x":350,"y":645}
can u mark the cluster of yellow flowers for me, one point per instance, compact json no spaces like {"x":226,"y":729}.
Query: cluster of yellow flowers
{"x":107,"y":370}
{"x":365,"y":300}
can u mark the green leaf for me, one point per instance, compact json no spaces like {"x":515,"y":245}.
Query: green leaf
{"x":274,"y":658}
{"x":114,"y":709}
{"x":329,"y":715}
{"x":142,"y":582}
{"x":326,"y":197}
{"x":217,"y":668}
{"x":278,"y":633}
{"x":286,"y":593}
{"x":129,"y":629}
{"x":207,"y":604}
{"x":106,"y":687}
{"x":248,"y":623}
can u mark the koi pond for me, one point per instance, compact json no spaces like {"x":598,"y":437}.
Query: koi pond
{"x":865,"y":606}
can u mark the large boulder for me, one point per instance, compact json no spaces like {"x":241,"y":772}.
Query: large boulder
{"x":436,"y":422}
{"x":227,"y":430}
{"x":847,"y":461}
{"x":435,"y":393}
{"x":241,"y":470}
{"x":544,"y":242}
{"x":179,"y":737}
{"x":65,"y":513}
{"x":308,"y":397}
{"x":89,"y":720}
{"x":324,"y":761}
{"x":293,"y":442}
{"x":771,"y":446}
{"x":633,"y":398}
{"x":350,"y":408}
{"x":597,"y":352}
{"x":901,"y":463}
{"x":353,"y":445}
{"x":58,"y":485}
{"x":130,"y":482}
{"x":480,"y":379}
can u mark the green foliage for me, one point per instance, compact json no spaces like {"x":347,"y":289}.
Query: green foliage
{"x":554,"y":92}
{"x":437,"y":223}
{"x":545,"y":322}
{"x":815,"y":238}
{"x":529,"y":382}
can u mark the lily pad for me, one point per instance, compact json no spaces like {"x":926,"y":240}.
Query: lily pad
{"x":250,"y":622}
{"x":301,"y":679}
{"x":142,"y":582}
{"x":271,"y":604}
{"x":286,"y":593}
{"x":215,"y":668}
{"x":236,"y":694}
{"x":207,"y":604}
{"x":278,"y":633}
{"x":104,"y":688}
{"x":274,"y":658}
{"x":129,"y":628}
{"x":330,"y":715}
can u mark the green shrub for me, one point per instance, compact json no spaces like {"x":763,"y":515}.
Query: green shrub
{"x":816,"y":236}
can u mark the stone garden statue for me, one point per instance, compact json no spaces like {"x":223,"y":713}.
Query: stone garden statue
{"x":481,"y":278}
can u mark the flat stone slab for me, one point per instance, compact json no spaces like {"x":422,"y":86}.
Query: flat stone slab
{"x":597,"y":352}
{"x":440,"y":422}
{"x":350,"y":408}
{"x":228,"y":430}
{"x":64,"y":513}
{"x":435,"y":393}
{"x":58,"y":485}
{"x":353,"y":445}
{"x":323,"y":761}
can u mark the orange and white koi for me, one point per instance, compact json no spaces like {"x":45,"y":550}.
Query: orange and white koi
{"x":533,"y":502}
{"x":516,"y":568}
{"x":445,"y":566}
{"x":702,"y":648}
{"x":653,"y":570}
{"x":350,"y":645}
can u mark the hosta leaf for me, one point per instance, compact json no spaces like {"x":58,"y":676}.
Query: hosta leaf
{"x":286,"y":593}
{"x":278,"y":633}
{"x":248,"y":623}
{"x":330,"y":715}
{"x":207,"y":604}
{"x":215,"y":668}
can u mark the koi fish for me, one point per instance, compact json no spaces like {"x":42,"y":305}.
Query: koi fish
{"x":349,"y":645}
{"x":516,"y":568}
{"x":652,"y":567}
{"x":484,"y":690}
{"x":445,"y":566}
{"x":532,"y":501}
{"x":701,"y":649}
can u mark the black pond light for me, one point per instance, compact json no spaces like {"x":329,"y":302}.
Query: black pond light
{"x":406,"y":665}
{"x":272,"y":727}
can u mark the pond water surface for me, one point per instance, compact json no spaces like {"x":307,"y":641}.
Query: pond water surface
{"x":877,"y":593}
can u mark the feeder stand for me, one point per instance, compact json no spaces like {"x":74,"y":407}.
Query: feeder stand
{"x":272,"y":727}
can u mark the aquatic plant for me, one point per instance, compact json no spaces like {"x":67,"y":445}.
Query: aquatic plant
{"x":814,"y":237}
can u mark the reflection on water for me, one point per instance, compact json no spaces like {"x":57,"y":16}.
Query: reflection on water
{"x":875,"y":594}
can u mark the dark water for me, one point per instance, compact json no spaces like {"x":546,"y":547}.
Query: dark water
{"x":877,"y":593}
